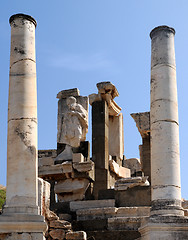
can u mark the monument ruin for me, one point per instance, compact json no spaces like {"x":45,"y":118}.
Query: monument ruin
{"x":69,"y":193}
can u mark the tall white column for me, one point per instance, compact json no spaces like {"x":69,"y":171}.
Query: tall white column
{"x":22,"y":118}
{"x":21,"y":213}
{"x":165,"y":159}
{"x":167,"y":220}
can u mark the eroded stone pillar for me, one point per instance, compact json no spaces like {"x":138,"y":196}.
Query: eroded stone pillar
{"x":22,"y":118}
{"x":22,"y":169}
{"x":165,"y":160}
{"x":100,"y":150}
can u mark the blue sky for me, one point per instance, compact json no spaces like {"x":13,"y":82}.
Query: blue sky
{"x":82,"y":42}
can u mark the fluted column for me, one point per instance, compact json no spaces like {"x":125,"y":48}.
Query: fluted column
{"x":165,"y":159}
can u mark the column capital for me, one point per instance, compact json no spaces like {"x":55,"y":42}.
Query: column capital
{"x":24,"y":16}
{"x":161,"y":28}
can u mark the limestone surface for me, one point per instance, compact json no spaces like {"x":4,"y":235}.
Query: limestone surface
{"x":142,"y":120}
{"x":118,"y":170}
{"x":165,"y":161}
{"x":125,"y":183}
{"x":116,"y":136}
{"x":133,"y":164}
{"x":79,"y":235}
{"x":77,"y":205}
{"x":21,"y":212}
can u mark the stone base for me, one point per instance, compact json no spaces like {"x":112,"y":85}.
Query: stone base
{"x":80,"y":235}
{"x":164,"y":228}
{"x":113,"y":235}
{"x":132,"y":197}
{"x":22,"y":223}
{"x":22,"y":236}
{"x":9,"y":209}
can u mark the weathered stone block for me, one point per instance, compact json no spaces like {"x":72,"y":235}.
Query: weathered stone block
{"x":106,"y":194}
{"x":51,"y":216}
{"x":71,"y":185}
{"x":107,"y":88}
{"x":69,"y":92}
{"x":125,"y":183}
{"x":60,"y":224}
{"x":83,"y":166}
{"x":67,"y":167}
{"x":116,"y":234}
{"x":43,"y":196}
{"x":116,"y":136}
{"x":124,"y":223}
{"x":89,"y":175}
{"x":137,"y":196}
{"x":133,"y":164}
{"x":22,"y":236}
{"x":56,"y":171}
{"x":164,"y":227}
{"x":96,"y":213}
{"x":46,"y":161}
{"x":50,"y":170}
{"x":142,"y":122}
{"x":47,"y":153}
{"x":65,"y":216}
{"x":77,"y":158}
{"x":77,"y":205}
{"x":70,"y":196}
{"x":71,"y":189}
{"x":133,"y":211}
{"x":57,"y":234}
{"x":99,"y":224}
{"x":118,"y":170}
{"x":80,"y":235}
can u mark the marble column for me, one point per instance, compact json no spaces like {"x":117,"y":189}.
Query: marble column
{"x":165,"y":159}
{"x":167,"y":220}
{"x":22,"y":167}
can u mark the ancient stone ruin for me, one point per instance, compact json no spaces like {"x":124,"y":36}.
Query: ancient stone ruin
{"x":71,"y":193}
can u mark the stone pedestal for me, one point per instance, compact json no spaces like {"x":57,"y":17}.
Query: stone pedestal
{"x":164,"y":228}
{"x":20,"y":213}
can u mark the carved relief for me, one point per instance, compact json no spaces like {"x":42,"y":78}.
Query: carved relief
{"x":72,"y":117}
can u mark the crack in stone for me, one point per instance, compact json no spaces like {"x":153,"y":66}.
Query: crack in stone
{"x":164,"y":186}
{"x":164,"y":99}
{"x":23,"y":59}
{"x":32,"y":119}
{"x":162,"y":64}
{"x":166,"y":120}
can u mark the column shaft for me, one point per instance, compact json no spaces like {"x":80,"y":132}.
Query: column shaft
{"x":165,"y":161}
{"x":22,"y":118}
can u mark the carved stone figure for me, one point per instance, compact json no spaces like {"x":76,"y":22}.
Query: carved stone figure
{"x":74,"y":122}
